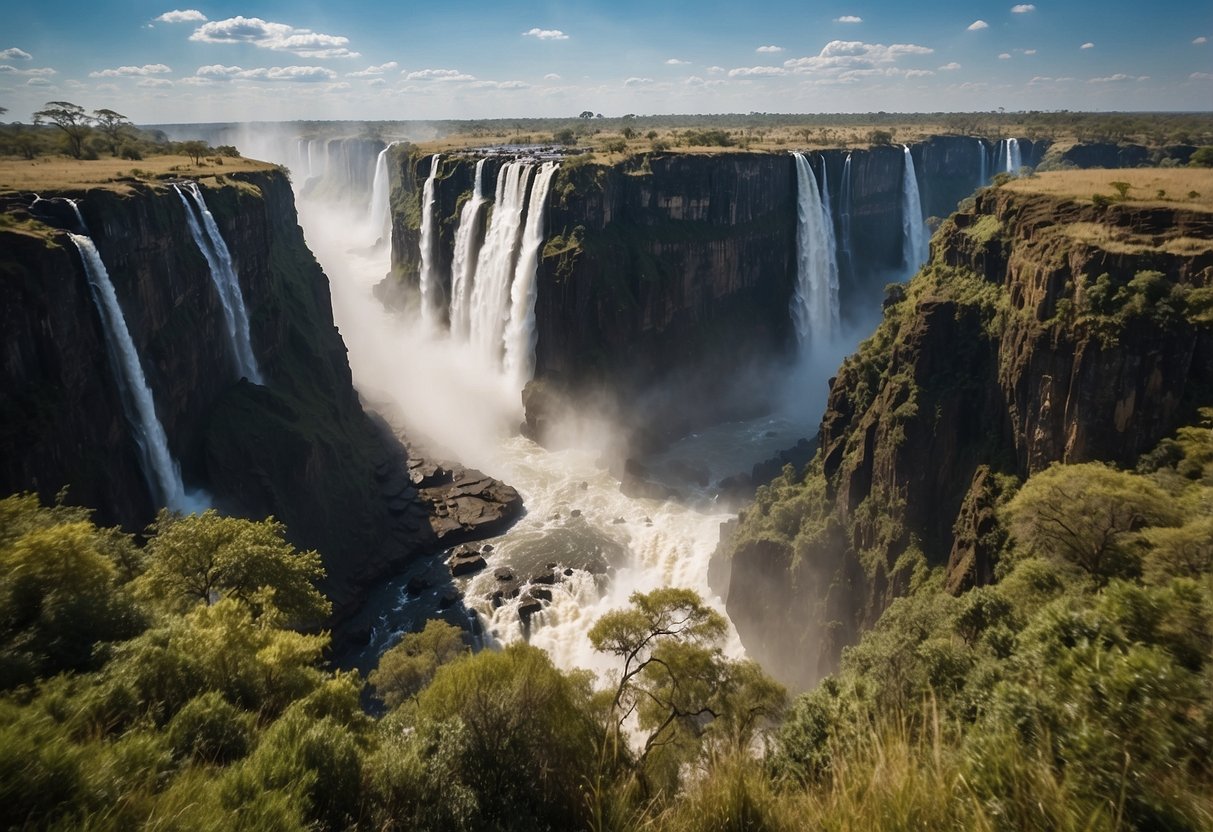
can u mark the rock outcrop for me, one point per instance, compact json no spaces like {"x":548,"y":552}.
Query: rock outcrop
{"x":1044,"y":330}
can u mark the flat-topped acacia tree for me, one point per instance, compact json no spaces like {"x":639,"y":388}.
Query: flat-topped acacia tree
{"x":71,"y":119}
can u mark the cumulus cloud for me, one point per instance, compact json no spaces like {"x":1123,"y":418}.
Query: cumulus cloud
{"x":848,"y":18}
{"x":770,"y":48}
{"x":715,"y":69}
{"x":1023,"y":8}
{"x":154,"y":82}
{"x":757,"y":72}
{"x":676,"y":62}
{"x":637,"y":82}
{"x":1200,"y":41}
{"x":15,"y":54}
{"x":371,"y":71}
{"x":131,"y":71}
{"x":551,"y":76}
{"x":1004,"y":56}
{"x":182,"y":16}
{"x":305,"y":74}
{"x":37,"y":72}
{"x":978,"y":25}
{"x":950,"y":67}
{"x":437,"y":75}
{"x":1087,"y":45}
{"x":839,"y":56}
{"x":39,"y":82}
{"x":275,"y":36}
{"x":1201,"y":76}
{"x":1118,"y":78}
{"x":545,"y":34}
{"x":693,"y":81}
{"x":1029,"y":51}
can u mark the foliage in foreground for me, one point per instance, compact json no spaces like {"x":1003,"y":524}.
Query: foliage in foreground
{"x":163,"y":687}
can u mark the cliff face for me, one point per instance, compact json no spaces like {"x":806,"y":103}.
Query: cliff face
{"x":300,"y":448}
{"x":1043,"y":330}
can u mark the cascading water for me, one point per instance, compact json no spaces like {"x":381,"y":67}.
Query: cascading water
{"x":463,"y":265}
{"x":983,"y":172}
{"x":520,"y":335}
{"x":159,"y":468}
{"x":1014,"y":159}
{"x":496,"y":261}
{"x":844,"y":218}
{"x":815,"y":300}
{"x":429,"y":276}
{"x":380,"y":211}
{"x":914,"y":246}
{"x":223,"y":274}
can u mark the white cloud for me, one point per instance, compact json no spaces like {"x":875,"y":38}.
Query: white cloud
{"x":39,"y":82}
{"x":15,"y":54}
{"x":371,"y":71}
{"x":37,"y":72}
{"x":551,"y":76}
{"x":182,"y":16}
{"x":1029,"y":51}
{"x":437,"y":75}
{"x":276,"y":36}
{"x":1087,"y":45}
{"x":376,"y":82}
{"x":715,"y":69}
{"x":978,"y":25}
{"x":1115,"y":79}
{"x":1004,"y":56}
{"x":637,"y":82}
{"x":1201,"y":76}
{"x":131,"y":71}
{"x":757,"y":72}
{"x":218,"y":72}
{"x":693,"y":81}
{"x":676,"y":62}
{"x":771,"y":48}
{"x":1200,"y":41}
{"x":500,"y":85}
{"x":919,"y":73}
{"x":848,"y":18}
{"x":950,"y":67}
{"x":154,"y":82}
{"x":839,"y":56}
{"x":545,"y":34}
{"x":1023,"y":8}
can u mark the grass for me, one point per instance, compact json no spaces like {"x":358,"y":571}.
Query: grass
{"x":62,"y":173}
{"x":1145,"y":184}
{"x":1119,"y":240}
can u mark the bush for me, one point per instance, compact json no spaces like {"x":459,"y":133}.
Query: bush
{"x":130,"y":153}
{"x":210,"y":730}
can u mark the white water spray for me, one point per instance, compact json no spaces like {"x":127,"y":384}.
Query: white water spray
{"x":380,"y":210}
{"x":844,"y":217}
{"x":463,"y":264}
{"x":914,"y":246}
{"x":223,"y":274}
{"x":983,"y":172}
{"x":159,"y":467}
{"x":815,"y":300}
{"x":429,"y":270}
{"x":1014,"y":159}
{"x":520,"y":335}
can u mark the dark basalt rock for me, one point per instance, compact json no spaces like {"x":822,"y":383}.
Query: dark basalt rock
{"x":465,"y":561}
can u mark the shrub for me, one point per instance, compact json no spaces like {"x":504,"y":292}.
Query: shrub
{"x":210,"y":730}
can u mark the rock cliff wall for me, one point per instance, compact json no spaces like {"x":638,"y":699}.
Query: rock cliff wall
{"x":300,"y":448}
{"x":1043,"y":330}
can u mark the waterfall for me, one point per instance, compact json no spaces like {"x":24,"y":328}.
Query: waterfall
{"x":380,"y":211}
{"x":463,"y":268}
{"x":159,"y":467}
{"x":520,"y":335}
{"x":429,"y":270}
{"x":844,"y":211}
{"x":983,"y":172}
{"x":223,"y":275}
{"x":832,"y":274}
{"x":914,"y":247}
{"x":815,"y":301}
{"x":495,"y":263}
{"x":314,"y":167}
{"x":1014,"y":160}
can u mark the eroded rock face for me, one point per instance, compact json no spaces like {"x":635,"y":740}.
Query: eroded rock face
{"x":300,"y":448}
{"x":988,"y":370}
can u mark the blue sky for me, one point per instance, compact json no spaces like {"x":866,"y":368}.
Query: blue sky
{"x":389,"y":59}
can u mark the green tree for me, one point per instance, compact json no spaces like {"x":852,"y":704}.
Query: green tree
{"x":112,"y":125}
{"x":198,"y":559}
{"x":1088,"y":515}
{"x":195,"y":150}
{"x":68,"y":117}
{"x":1202,"y":158}
{"x":410,"y":665}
